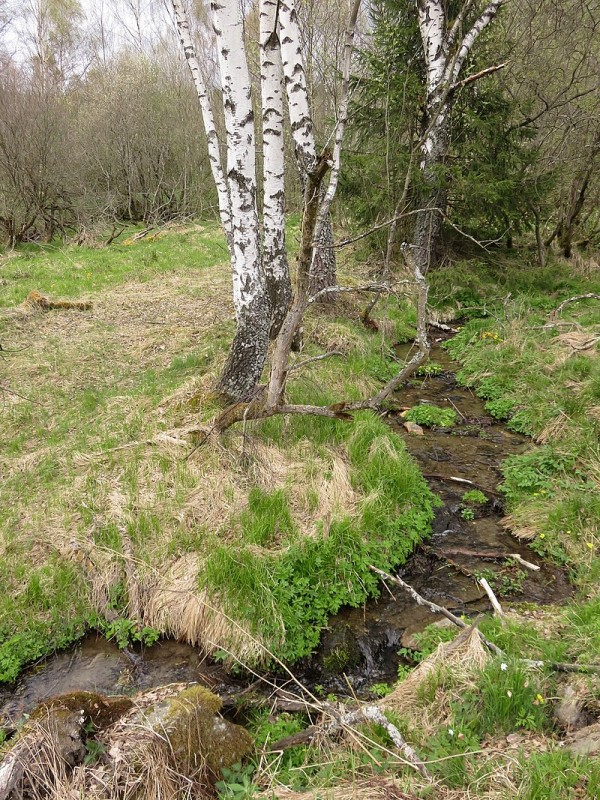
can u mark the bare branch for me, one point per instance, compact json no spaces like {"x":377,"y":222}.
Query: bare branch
{"x":472,"y":78}
{"x":471,"y":37}
{"x":312,"y":360}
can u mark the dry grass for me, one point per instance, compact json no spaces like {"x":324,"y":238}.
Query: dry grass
{"x":363,"y":789}
{"x":119,"y":497}
{"x":176,"y":605}
{"x":582,"y":343}
{"x":554,"y":430}
{"x":460,"y":659}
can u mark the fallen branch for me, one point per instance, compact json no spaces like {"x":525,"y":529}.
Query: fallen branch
{"x":575,"y":299}
{"x":351,"y":719}
{"x":375,"y":715}
{"x":492,"y":555}
{"x":493,"y":599}
{"x":442,"y":327}
{"x":527,"y":564}
{"x":556,"y":666}
{"x":439,"y":477}
{"x":4,"y":388}
{"x":312,"y":360}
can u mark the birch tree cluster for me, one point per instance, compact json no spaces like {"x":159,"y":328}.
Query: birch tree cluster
{"x":440,"y":122}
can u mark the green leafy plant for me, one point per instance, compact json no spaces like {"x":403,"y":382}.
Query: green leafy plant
{"x":125,"y":632}
{"x":432,"y":416}
{"x":467,"y":513}
{"x":381,"y":689}
{"x":430,"y":369}
{"x":506,"y":581}
{"x":475,"y":497}
{"x":236,"y":783}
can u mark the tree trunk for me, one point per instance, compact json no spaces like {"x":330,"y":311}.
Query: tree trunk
{"x":274,"y":251}
{"x":323,"y":270}
{"x":427,"y":237}
{"x":210,"y":128}
{"x":249,"y":348}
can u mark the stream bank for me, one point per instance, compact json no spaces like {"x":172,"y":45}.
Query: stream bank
{"x":360,"y":646}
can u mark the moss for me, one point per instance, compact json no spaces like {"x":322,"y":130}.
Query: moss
{"x":97,"y":709}
{"x":200,"y":739}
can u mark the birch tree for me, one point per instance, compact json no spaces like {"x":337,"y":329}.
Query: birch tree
{"x":210,"y":128}
{"x":446,"y":46}
{"x":249,"y":349}
{"x":261,"y":285}
{"x":323,"y":268}
{"x":271,"y":81}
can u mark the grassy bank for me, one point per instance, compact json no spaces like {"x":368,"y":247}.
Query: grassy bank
{"x":490,"y":727}
{"x":247,"y":546}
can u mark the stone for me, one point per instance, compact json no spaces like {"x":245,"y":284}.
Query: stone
{"x":585,"y":742}
{"x":413,"y":428}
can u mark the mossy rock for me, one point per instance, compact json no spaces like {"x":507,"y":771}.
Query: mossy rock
{"x":199,"y":738}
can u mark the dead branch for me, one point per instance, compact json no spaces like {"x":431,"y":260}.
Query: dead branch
{"x":492,"y":597}
{"x":439,"y":477}
{"x":114,"y":235}
{"x":4,"y":388}
{"x":491,"y":555}
{"x":556,"y":666}
{"x":440,"y":326}
{"x":375,"y":715}
{"x":312,"y":360}
{"x":575,"y":299}
{"x":477,"y":76}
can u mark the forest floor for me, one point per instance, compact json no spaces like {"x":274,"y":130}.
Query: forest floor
{"x":250,"y":543}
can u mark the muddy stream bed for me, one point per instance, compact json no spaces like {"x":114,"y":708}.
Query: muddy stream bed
{"x":360,"y":646}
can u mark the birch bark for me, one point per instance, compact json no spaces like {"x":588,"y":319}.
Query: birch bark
{"x":274,"y":251}
{"x":444,"y":59}
{"x":323,"y":266}
{"x":214,"y":154}
{"x":249,"y":349}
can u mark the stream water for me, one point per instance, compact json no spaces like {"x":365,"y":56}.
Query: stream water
{"x":361,"y":643}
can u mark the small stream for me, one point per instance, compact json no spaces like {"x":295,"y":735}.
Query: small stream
{"x":361,"y":643}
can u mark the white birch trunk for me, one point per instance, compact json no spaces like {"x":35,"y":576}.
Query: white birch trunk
{"x":434,"y":147}
{"x":214,"y":154}
{"x":249,"y":348}
{"x":295,"y":83}
{"x":274,"y":252}
{"x":323,"y":268}
{"x":443,"y":61}
{"x":341,"y":123}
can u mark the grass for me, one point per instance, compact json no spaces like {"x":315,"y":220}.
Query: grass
{"x":252,"y":542}
{"x":486,"y":727}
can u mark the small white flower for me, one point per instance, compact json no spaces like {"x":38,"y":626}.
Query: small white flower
{"x":450,"y":732}
{"x":509,"y":693}
{"x":503,"y":667}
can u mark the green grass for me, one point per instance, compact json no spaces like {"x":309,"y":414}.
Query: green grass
{"x":277,"y":550}
{"x":71,"y":271}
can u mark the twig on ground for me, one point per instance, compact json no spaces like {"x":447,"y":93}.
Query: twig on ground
{"x":4,"y":388}
{"x":493,"y":599}
{"x":306,"y":361}
{"x":442,"y":327}
{"x":575,"y":299}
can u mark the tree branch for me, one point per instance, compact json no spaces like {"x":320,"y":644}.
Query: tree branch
{"x":477,"y":76}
